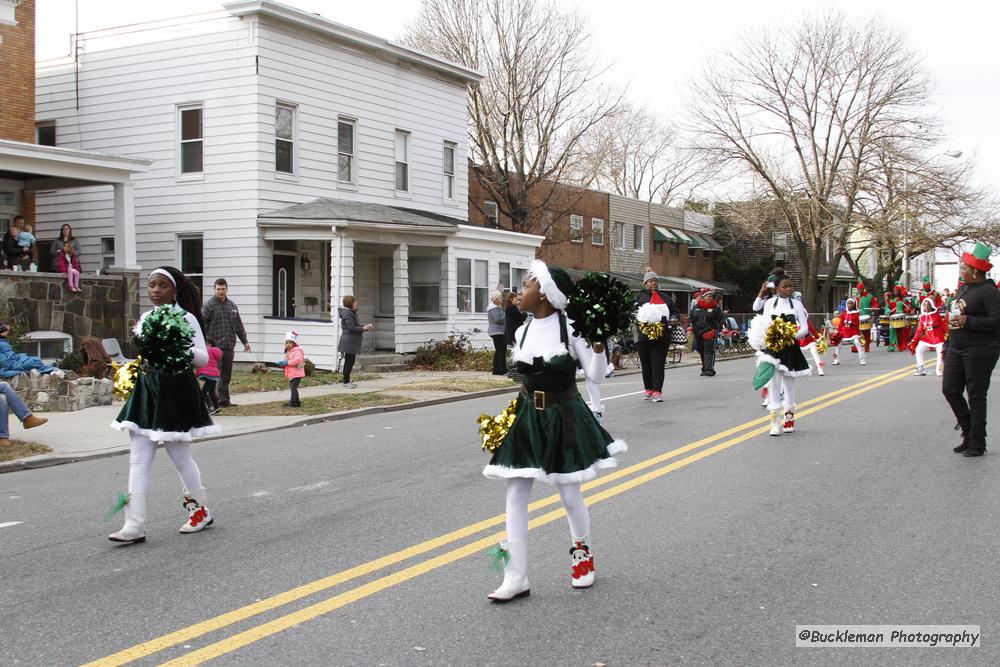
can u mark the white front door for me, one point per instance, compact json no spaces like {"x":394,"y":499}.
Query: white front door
{"x":385,"y":329}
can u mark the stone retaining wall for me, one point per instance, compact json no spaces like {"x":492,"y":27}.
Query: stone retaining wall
{"x":106,"y":308}
{"x":49,"y":393}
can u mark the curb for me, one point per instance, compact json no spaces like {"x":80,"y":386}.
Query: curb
{"x":48,"y":460}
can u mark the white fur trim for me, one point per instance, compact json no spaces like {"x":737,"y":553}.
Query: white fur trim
{"x":519,"y":354}
{"x":757,"y":331}
{"x":784,"y":371}
{"x":540,"y":272}
{"x":650,"y":313}
{"x":585,"y":475}
{"x":166,"y":436}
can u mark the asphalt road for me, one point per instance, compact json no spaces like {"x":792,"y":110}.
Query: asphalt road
{"x":372,"y":531}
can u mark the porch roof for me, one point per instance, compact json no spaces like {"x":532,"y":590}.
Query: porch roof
{"x":327,"y":209}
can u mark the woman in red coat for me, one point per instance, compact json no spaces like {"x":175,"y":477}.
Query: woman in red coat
{"x":930,"y":334}
{"x":69,"y":263}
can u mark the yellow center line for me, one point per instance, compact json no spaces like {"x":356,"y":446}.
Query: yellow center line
{"x":242,"y":613}
{"x":239,"y":640}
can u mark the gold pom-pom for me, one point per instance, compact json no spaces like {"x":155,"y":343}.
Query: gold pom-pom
{"x":780,"y":334}
{"x":494,"y":429}
{"x":125,"y":375}
{"x":822,"y":346}
{"x":651,"y":330}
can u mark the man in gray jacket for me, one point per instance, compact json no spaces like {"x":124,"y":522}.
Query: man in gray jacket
{"x":224,"y":325}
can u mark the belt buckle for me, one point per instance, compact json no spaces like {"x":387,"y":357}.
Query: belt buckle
{"x":539,"y":398}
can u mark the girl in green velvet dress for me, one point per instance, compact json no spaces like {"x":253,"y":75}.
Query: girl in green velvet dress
{"x":166,"y":408}
{"x":555,"y":437}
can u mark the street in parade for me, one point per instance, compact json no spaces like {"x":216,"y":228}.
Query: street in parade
{"x":497,"y":333}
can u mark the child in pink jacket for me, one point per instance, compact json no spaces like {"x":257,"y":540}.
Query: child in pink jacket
{"x":209,"y":375}
{"x":294,"y":364}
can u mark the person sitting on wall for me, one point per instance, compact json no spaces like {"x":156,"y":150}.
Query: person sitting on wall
{"x":14,"y":363}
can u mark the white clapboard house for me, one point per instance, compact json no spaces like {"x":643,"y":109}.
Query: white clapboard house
{"x":298,"y":158}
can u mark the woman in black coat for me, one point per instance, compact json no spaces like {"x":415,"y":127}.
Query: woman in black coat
{"x":351,"y":331}
{"x":653,"y":353}
{"x":706,"y":322}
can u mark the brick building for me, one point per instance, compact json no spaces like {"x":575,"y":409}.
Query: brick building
{"x":575,"y":225}
{"x":17,"y":112}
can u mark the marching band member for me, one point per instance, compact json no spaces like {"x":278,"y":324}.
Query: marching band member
{"x":930,"y":334}
{"x":850,"y":332}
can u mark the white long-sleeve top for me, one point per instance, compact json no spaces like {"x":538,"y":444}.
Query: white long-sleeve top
{"x":543,"y":340}
{"x":198,"y":346}
{"x":777,"y":305}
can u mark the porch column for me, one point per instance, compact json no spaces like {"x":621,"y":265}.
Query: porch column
{"x":125,"y":254}
{"x":448,"y":290}
{"x":400,"y":291}
{"x":341,"y":279}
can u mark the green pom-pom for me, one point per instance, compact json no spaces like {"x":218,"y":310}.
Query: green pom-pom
{"x":117,"y":507}
{"x":499,"y":557}
{"x":600,"y":307}
{"x":765,"y":372}
{"x":165,"y":340}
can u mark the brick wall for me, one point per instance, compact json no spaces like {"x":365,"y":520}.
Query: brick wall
{"x":665,"y":263}
{"x":17,"y":71}
{"x":558,"y":248}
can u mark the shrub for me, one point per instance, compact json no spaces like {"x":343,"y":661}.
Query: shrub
{"x":71,"y":362}
{"x":310,"y":367}
{"x":454,"y":353}
{"x":17,"y":325}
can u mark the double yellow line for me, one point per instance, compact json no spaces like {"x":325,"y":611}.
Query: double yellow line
{"x":740,"y":433}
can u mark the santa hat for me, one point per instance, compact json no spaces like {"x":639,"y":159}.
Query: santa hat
{"x":979,"y":258}
{"x":862,"y":290}
{"x":554,"y":282}
{"x":926,"y":281}
{"x":292,"y":336}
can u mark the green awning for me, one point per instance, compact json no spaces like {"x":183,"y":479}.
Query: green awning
{"x":683,"y":236}
{"x":665,"y":234}
{"x":706,"y":242}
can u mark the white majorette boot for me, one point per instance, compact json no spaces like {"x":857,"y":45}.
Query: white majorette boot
{"x":515,"y":572}
{"x":920,"y":371}
{"x":789,"y":425}
{"x":134,"y":530}
{"x":776,"y":422}
{"x":582,"y":563}
{"x":198,"y":516}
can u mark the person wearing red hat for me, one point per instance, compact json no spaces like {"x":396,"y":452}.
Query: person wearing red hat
{"x":972,"y":349}
{"x":869,"y":307}
{"x":706,"y":322}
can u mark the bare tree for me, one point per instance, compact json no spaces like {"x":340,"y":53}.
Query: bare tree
{"x":636,"y":154}
{"x":540,"y":95}
{"x":798,"y":111}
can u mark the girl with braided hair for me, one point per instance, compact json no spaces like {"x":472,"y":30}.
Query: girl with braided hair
{"x":166,"y":408}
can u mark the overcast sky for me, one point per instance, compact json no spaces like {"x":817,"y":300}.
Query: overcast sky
{"x":658,"y":46}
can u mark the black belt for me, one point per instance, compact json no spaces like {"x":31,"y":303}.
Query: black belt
{"x":544,"y":399}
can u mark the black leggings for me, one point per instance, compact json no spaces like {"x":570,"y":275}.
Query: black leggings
{"x":293,"y":384}
{"x":653,"y":357}
{"x":499,"y":354}
{"x":208,"y":392}
{"x":348,"y":365}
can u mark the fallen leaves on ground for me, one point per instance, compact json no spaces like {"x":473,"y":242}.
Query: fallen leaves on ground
{"x":456,"y":385}
{"x":20,"y":449}
{"x":317,"y":405}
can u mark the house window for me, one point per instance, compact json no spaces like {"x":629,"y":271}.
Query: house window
{"x":192,"y":140}
{"x":425,"y":285}
{"x":402,"y":161}
{"x":675,"y":249}
{"x":576,"y":228}
{"x":706,"y":254}
{"x":517,"y":277}
{"x":45,"y":133}
{"x":386,"y":293}
{"x":345,"y":150}
{"x":505,"y":275}
{"x":619,"y":232}
{"x":780,"y":242}
{"x":448,"y":171}
{"x":639,"y":238}
{"x":107,"y":251}
{"x":284,"y":139}
{"x":596,"y":231}
{"x":472,"y":289}
{"x":192,"y":259}
{"x":491,"y":214}
{"x":692,"y":251}
{"x":658,"y":247}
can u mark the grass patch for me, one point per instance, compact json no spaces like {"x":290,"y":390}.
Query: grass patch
{"x":20,"y":449}
{"x":318,"y":405}
{"x":247,"y":382}
{"x":457,"y":385}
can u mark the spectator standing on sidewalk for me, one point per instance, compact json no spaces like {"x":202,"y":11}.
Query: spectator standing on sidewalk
{"x":497,"y":321}
{"x":224,"y":325}
{"x":351,"y":331}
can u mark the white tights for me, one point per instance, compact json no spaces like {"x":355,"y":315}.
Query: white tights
{"x":814,"y":351}
{"x":142,"y":451}
{"x":856,"y":342}
{"x":518,"y":495}
{"x":781,"y":391}
{"x":922,"y":348}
